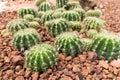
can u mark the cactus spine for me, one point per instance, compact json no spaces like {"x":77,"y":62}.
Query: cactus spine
{"x":61,"y":3}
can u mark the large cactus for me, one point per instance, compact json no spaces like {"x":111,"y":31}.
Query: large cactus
{"x":57,"y":26}
{"x":61,"y":3}
{"x":95,"y":13}
{"x":107,"y":46}
{"x":27,"y":10}
{"x":41,"y":57}
{"x":17,"y":24}
{"x":68,"y":43}
{"x":25,"y":38}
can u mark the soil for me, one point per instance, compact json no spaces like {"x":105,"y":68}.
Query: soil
{"x":85,"y":66}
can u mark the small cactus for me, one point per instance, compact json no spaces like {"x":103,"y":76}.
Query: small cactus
{"x":5,"y":33}
{"x":94,"y":13}
{"x":68,"y":43}
{"x":38,"y":20}
{"x":38,"y":2}
{"x":17,"y":24}
{"x":71,"y":15}
{"x":57,"y":26}
{"x":92,"y":33}
{"x":40,"y":13}
{"x":25,"y":38}
{"x":23,"y":11}
{"x":61,"y":3}
{"x":45,"y":6}
{"x":58,"y":12}
{"x":34,"y":24}
{"x":29,"y":17}
{"x":41,"y":57}
{"x":107,"y":46}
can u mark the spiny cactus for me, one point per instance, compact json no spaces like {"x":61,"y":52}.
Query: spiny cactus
{"x":68,"y":43}
{"x":41,"y":57}
{"x":25,"y":38}
{"x":93,"y":23}
{"x":34,"y":24}
{"x":23,"y":11}
{"x":57,"y":26}
{"x":38,"y":2}
{"x":17,"y":24}
{"x":45,"y":6}
{"x":71,"y":15}
{"x":58,"y":12}
{"x":5,"y":33}
{"x":29,"y":17}
{"x":40,"y":13}
{"x":107,"y":46}
{"x":91,"y":33}
{"x":86,"y":44}
{"x":38,"y":20}
{"x":61,"y":3}
{"x":95,"y":13}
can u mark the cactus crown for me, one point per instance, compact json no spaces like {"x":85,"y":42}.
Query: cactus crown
{"x":28,"y":17}
{"x":61,"y":3}
{"x":69,"y":44}
{"x":58,"y":12}
{"x":38,"y":2}
{"x":34,"y":24}
{"x":40,"y":13}
{"x":41,"y":57}
{"x":95,"y":13}
{"x":91,"y":33}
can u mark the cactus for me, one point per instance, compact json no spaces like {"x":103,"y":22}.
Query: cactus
{"x":5,"y":33}
{"x":93,"y":23}
{"x":71,"y":15}
{"x":34,"y":24}
{"x":107,"y":46}
{"x":25,"y":38}
{"x":94,"y":13}
{"x":17,"y":24}
{"x":86,"y":43}
{"x":23,"y":11}
{"x":92,"y":33}
{"x":45,"y":6}
{"x":28,"y":17}
{"x":57,"y":26}
{"x":61,"y":3}
{"x":38,"y":20}
{"x":58,"y":12}
{"x":38,"y":2}
{"x":40,"y":13}
{"x":68,"y":43}
{"x":41,"y":57}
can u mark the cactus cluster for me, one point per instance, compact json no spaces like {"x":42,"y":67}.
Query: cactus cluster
{"x":25,"y":38}
{"x":107,"y":46}
{"x":94,"y":13}
{"x":68,"y":43}
{"x":41,"y":57}
{"x":61,"y":3}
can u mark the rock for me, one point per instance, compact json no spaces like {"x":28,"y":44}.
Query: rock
{"x":92,"y":55}
{"x":10,"y":72}
{"x":18,"y":60}
{"x":19,"y":78}
{"x":69,"y":66}
{"x":103,"y":64}
{"x":61,"y":56}
{"x":27,"y":73}
{"x":7,"y":59}
{"x":49,"y":71}
{"x":65,"y":71}
{"x":82,"y":58}
{"x":65,"y":78}
{"x":75,"y":68}
{"x":85,"y":72}
{"x":18,"y":68}
{"x":115,"y":63}
{"x":35,"y":76}
{"x":101,"y":6}
{"x":68,"y":58}
{"x":42,"y":76}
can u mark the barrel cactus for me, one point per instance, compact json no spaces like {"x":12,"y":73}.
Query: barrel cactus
{"x":45,"y":6}
{"x":17,"y":24}
{"x":28,"y":17}
{"x":61,"y":3}
{"x":34,"y":24}
{"x":107,"y":46}
{"x":41,"y":57}
{"x":38,"y":2}
{"x":27,"y":10}
{"x":57,"y":26}
{"x":40,"y":13}
{"x":92,"y":33}
{"x":95,"y":13}
{"x":25,"y":38}
{"x":5,"y":33}
{"x":58,"y":12}
{"x":68,"y":43}
{"x":71,"y":15}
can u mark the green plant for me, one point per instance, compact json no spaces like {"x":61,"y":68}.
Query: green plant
{"x":28,"y":17}
{"x":92,"y":33}
{"x":38,"y":2}
{"x":71,"y":15}
{"x":57,"y":26}
{"x":40,"y":13}
{"x":17,"y":24}
{"x":68,"y":43}
{"x":25,"y":38}
{"x":61,"y":3}
{"x":107,"y":46}
{"x":45,"y":6}
{"x":38,"y":20}
{"x":23,"y":11}
{"x":95,"y":13}
{"x":58,"y":12}
{"x":41,"y":57}
{"x":34,"y":24}
{"x":5,"y":33}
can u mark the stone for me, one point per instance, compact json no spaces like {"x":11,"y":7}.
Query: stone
{"x":35,"y":76}
{"x":115,"y":63}
{"x":66,"y":78}
{"x":19,"y":78}
{"x":18,"y":60}
{"x":103,"y":64}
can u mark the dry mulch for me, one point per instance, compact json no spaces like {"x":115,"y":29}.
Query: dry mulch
{"x":85,"y":66}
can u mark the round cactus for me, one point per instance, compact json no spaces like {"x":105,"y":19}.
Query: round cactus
{"x":95,"y":13}
{"x":71,"y":15}
{"x":61,"y":3}
{"x":28,"y":17}
{"x":23,"y":11}
{"x":45,"y":6}
{"x":38,"y":2}
{"x":86,"y":44}
{"x":17,"y":24}
{"x":107,"y":46}
{"x":68,"y":43}
{"x":40,"y":13}
{"x":57,"y":26}
{"x":41,"y":57}
{"x":92,"y":33}
{"x":93,"y":23}
{"x":58,"y":12}
{"x":5,"y":33}
{"x":25,"y":38}
{"x":34,"y":24}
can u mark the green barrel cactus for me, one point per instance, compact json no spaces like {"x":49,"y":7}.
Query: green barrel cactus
{"x":34,"y":24}
{"x":38,"y":2}
{"x":68,"y":43}
{"x":61,"y":3}
{"x":40,"y":13}
{"x":23,"y":11}
{"x":45,"y":6}
{"x":28,"y":17}
{"x":25,"y":38}
{"x":5,"y":33}
{"x":94,"y":13}
{"x":71,"y":15}
{"x":91,"y":33}
{"x":41,"y":57}
{"x":93,"y":23}
{"x":17,"y":24}
{"x":107,"y":46}
{"x":86,"y":44}
{"x":56,"y":27}
{"x":58,"y":12}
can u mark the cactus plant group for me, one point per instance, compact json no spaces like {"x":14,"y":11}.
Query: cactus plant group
{"x":94,"y":13}
{"x":61,"y":3}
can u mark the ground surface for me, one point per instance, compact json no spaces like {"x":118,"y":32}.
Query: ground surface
{"x":83,"y":67}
